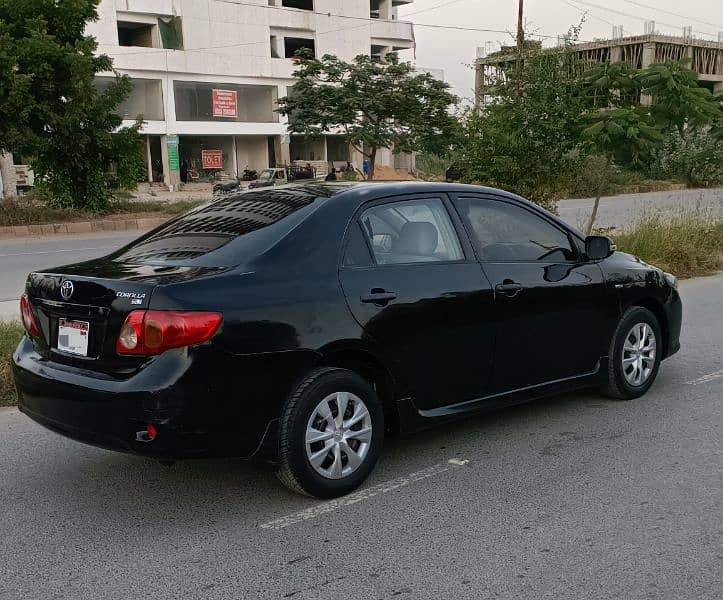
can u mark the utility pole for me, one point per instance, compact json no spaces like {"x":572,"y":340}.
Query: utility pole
{"x":520,"y":44}
{"x":520,"y":27}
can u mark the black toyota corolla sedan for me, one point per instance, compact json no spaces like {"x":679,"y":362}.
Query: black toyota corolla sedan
{"x":303,"y":323}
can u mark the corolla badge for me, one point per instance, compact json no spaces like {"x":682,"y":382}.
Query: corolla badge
{"x":135,"y":297}
{"x":66,"y":289}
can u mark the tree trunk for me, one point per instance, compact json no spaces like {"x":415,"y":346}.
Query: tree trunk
{"x":372,"y":163}
{"x":7,"y":176}
{"x":593,"y":216}
{"x":602,"y":182}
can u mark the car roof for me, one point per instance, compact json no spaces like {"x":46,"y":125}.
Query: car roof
{"x":370,"y":189}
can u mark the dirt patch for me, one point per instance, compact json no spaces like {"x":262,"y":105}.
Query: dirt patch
{"x":382,"y":173}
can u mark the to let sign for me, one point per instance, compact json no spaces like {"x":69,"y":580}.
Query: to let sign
{"x":212,"y":159}
{"x":225,"y":103}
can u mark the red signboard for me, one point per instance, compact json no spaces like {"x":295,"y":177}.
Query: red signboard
{"x":225,"y":103}
{"x":212,"y":159}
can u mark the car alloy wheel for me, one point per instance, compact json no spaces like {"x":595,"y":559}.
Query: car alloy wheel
{"x":338,"y":435}
{"x":331,"y":433}
{"x":638,"y":355}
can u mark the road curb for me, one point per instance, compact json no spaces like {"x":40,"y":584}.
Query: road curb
{"x":51,"y":229}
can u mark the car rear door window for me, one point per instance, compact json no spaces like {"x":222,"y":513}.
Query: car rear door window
{"x":356,"y":253}
{"x":411,"y":231}
{"x":505,"y":231}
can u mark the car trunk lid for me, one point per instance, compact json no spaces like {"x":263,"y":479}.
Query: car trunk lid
{"x":80,"y":316}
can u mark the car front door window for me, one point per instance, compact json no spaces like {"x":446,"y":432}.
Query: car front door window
{"x":504,"y":231}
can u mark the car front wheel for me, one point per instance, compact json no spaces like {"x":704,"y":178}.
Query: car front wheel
{"x":331,"y":433}
{"x":634,"y":356}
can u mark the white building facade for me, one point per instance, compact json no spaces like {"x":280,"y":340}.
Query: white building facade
{"x":207,"y":75}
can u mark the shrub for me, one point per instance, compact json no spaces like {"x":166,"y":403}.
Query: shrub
{"x":696,"y":159}
{"x":431,"y":167}
{"x":687,"y":244}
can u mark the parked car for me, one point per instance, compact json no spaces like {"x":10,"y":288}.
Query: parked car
{"x":226,"y":188}
{"x":272,"y":177}
{"x":306,"y":322}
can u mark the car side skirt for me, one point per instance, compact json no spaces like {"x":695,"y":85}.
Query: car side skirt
{"x":413,"y":419}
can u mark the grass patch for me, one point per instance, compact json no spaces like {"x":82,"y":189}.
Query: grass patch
{"x":431,"y":167}
{"x":687,"y":244}
{"x":10,"y":334}
{"x":29,"y":211}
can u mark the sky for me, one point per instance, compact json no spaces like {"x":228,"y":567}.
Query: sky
{"x":454,"y":50}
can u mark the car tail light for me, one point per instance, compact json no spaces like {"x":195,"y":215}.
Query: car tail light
{"x":155,"y":331}
{"x":26,"y":313}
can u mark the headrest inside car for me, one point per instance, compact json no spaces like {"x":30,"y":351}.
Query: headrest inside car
{"x":417,"y":238}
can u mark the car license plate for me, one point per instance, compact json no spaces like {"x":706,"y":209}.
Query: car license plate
{"x":73,"y":337}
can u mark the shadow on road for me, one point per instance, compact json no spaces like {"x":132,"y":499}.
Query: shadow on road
{"x":111,"y":489}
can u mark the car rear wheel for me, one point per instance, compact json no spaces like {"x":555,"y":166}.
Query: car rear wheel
{"x":331,"y":433}
{"x":635,"y":353}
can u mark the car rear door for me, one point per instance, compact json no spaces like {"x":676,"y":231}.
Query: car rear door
{"x":553,"y":312}
{"x":412,"y":283}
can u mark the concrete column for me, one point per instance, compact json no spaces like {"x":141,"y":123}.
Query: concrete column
{"x":616,"y":54}
{"x":718,"y":87}
{"x":164,"y":161}
{"x":384,"y":51}
{"x":648,"y":59}
{"x":282,"y":151}
{"x":234,"y":157}
{"x":9,"y":187}
{"x":356,"y":158}
{"x":170,"y":178}
{"x":385,"y":9}
{"x":149,"y":159}
{"x":648,"y":54}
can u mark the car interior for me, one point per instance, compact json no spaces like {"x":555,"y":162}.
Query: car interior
{"x":410,"y":232}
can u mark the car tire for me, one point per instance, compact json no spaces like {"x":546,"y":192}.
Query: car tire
{"x":347,"y":448}
{"x":633,"y":364}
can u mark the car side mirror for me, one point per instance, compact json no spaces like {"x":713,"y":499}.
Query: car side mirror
{"x":598,"y":247}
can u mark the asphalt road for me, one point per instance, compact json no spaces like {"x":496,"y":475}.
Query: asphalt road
{"x":573,"y":497}
{"x":617,"y":211}
{"x":19,"y":257}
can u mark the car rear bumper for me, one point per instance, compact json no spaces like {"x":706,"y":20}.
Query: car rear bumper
{"x":172,"y":393}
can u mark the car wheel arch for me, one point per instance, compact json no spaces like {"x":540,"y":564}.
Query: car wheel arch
{"x":656,"y":307}
{"x":371,"y":368}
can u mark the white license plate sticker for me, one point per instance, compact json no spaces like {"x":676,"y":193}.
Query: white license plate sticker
{"x":73,"y":337}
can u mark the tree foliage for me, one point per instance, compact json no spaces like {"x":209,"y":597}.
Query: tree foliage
{"x":542,"y":122}
{"x":375,"y":104}
{"x":525,"y":136}
{"x":50,"y":108}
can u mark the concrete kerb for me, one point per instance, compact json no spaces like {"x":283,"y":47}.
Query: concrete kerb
{"x":51,"y":229}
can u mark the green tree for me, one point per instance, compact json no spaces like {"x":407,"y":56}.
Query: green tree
{"x":549,"y":116}
{"x":50,"y":109}
{"x":375,"y":104}
{"x":525,"y":138}
{"x":678,"y":102}
{"x":625,"y":134}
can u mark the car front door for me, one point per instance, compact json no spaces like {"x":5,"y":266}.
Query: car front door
{"x":554,"y":314}
{"x":415,"y":287}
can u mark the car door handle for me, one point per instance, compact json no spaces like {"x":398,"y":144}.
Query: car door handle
{"x":509,"y":289}
{"x":379,"y":297}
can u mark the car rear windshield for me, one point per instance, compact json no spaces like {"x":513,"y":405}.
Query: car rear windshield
{"x":226,"y":232}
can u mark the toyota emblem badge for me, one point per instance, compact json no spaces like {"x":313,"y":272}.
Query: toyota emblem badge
{"x":66,"y":289}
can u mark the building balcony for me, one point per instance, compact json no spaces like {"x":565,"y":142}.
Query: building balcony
{"x":153,"y":7}
{"x":392,"y":33}
{"x":226,"y":62}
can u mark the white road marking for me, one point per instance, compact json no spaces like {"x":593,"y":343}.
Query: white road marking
{"x":365,"y":494}
{"x":706,"y":378}
{"x":56,"y":251}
